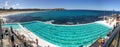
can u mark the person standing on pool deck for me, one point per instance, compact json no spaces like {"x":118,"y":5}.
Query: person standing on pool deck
{"x":37,"y":42}
{"x":12,"y":40}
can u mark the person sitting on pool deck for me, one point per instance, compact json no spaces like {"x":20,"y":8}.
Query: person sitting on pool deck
{"x":102,"y":42}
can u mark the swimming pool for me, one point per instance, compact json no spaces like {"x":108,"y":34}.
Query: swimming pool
{"x":68,"y":36}
{"x":14,"y":25}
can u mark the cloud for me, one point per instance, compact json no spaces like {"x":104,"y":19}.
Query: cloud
{"x":6,"y":3}
{"x":15,"y":5}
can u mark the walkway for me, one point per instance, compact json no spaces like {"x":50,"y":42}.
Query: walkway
{"x":7,"y":41}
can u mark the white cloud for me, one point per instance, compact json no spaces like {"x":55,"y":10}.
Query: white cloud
{"x":6,"y":3}
{"x":15,"y":5}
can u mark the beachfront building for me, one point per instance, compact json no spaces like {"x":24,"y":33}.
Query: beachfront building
{"x":111,"y":20}
{"x":115,"y":19}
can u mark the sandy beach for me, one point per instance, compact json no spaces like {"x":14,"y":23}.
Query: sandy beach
{"x":5,"y":13}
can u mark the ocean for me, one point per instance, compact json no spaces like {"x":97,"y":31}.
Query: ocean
{"x":62,"y":17}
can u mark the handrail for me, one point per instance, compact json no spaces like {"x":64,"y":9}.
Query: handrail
{"x":112,"y":36}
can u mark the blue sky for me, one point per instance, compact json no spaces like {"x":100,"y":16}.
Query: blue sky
{"x":68,"y":4}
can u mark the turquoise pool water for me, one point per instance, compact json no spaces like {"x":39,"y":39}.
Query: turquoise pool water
{"x":14,"y":26}
{"x":68,"y":36}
